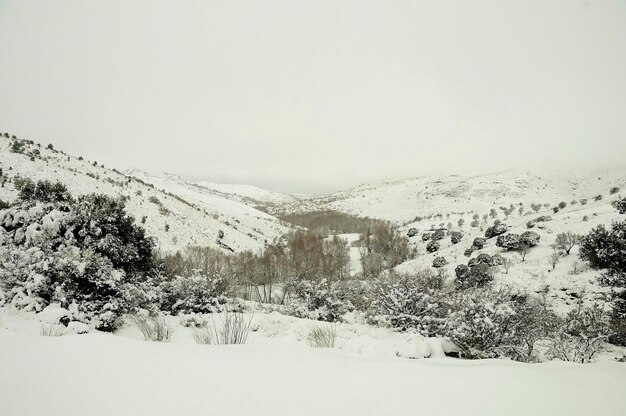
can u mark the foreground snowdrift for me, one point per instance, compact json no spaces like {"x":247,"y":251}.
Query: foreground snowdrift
{"x":279,"y":374}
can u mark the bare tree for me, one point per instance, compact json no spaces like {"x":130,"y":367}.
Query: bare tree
{"x":566,"y":241}
{"x":523,"y":250}
{"x":554,"y":258}
{"x":507,"y":263}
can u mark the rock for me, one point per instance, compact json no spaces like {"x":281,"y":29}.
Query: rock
{"x":412,"y":232}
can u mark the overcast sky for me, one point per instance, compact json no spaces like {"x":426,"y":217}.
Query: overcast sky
{"x":313,"y":96}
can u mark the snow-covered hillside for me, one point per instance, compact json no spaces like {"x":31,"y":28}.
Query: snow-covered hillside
{"x":402,"y":200}
{"x":249,"y":194}
{"x":177,"y":214}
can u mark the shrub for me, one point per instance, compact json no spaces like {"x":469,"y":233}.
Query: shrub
{"x":52,"y":330}
{"x":562,"y":205}
{"x":483,"y":258}
{"x":154,"y":328}
{"x":86,"y":252}
{"x":479,"y":243}
{"x":432,"y":246}
{"x":468,"y":252}
{"x":581,"y":335}
{"x":614,"y":190}
{"x":235,"y":328}
{"x":508,"y":241}
{"x":583,"y":201}
{"x":597,"y":198}
{"x":478,"y":275}
{"x":412,"y":232}
{"x":203,"y":335}
{"x":198,"y":293}
{"x":491,"y":323}
{"x":43,"y":191}
{"x":620,"y":205}
{"x":496,"y":230}
{"x":322,"y":336}
{"x":412,"y":301}
{"x":318,"y":299}
{"x":606,"y":249}
{"x":439,"y":262}
{"x":529,"y":238}
{"x":456,"y":237}
{"x":438,"y":235}
{"x":425,"y":236}
{"x":566,"y":241}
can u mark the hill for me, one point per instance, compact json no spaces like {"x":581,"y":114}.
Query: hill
{"x":175,"y":213}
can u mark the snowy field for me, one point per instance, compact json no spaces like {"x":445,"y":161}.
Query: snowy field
{"x":278,"y":373}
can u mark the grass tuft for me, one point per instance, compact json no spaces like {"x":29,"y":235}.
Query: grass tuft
{"x":52,"y":330}
{"x":154,"y":328}
{"x":322,"y":336}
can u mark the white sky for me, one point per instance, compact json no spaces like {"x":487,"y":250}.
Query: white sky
{"x":312,"y":96}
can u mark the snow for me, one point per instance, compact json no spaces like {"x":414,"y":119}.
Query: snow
{"x":277,"y":373}
{"x":194,"y":215}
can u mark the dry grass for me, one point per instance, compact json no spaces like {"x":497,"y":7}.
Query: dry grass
{"x":322,"y":336}
{"x":154,"y":328}
{"x":203,"y":335}
{"x":52,"y":330}
{"x":235,"y":328}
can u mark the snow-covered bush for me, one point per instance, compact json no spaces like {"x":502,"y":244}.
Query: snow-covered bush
{"x":483,"y":258}
{"x":85,"y":252}
{"x":317,"y":299}
{"x":529,"y":238}
{"x":581,"y":335}
{"x":439,"y":262}
{"x":478,"y":275}
{"x":438,"y":235}
{"x":432,"y":246}
{"x":508,"y":241}
{"x":198,"y":293}
{"x":412,"y":301}
{"x":620,"y":205}
{"x":492,"y":322}
{"x":496,"y":230}
{"x":456,"y":237}
{"x":479,"y":243}
{"x":606,"y":249}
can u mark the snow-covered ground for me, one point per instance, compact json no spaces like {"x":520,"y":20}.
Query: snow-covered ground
{"x":278,"y":373}
{"x":184,"y":214}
